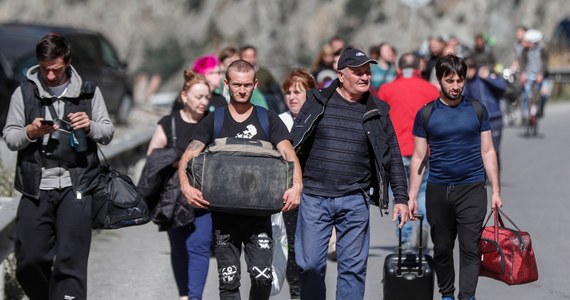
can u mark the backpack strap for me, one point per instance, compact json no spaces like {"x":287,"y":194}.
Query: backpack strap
{"x":262,"y":118}
{"x":478,"y":107}
{"x":426,"y":114}
{"x":218,"y":121}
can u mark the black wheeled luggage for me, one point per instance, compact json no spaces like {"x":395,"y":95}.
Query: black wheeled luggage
{"x":409,"y":275}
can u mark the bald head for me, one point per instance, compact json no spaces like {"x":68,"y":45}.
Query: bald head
{"x":409,"y":61}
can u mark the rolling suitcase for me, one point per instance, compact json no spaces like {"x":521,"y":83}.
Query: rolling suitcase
{"x":409,"y":275}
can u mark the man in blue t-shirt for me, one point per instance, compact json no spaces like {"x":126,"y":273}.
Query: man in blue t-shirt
{"x":461,"y":153}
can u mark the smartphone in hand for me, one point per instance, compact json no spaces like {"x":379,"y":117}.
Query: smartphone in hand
{"x":47,"y":122}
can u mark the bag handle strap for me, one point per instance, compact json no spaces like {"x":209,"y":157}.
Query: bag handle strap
{"x":501,"y":214}
{"x":498,"y":215}
{"x":173,"y":138}
{"x":103,"y":156}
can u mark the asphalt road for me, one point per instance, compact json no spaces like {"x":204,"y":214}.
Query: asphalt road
{"x":133,"y":263}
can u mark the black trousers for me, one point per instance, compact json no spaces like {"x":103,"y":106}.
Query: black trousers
{"x":254,"y":233}
{"x":456,"y":211}
{"x":293,"y":271}
{"x":58,"y":225}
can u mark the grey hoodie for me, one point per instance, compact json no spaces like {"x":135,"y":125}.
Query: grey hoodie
{"x":54,"y":174}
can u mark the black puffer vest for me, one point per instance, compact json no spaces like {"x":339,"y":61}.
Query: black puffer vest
{"x":29,"y":163}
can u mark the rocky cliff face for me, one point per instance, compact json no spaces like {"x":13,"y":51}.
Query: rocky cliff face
{"x":165,"y":35}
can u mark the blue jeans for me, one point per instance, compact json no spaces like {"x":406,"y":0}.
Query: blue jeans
{"x":527,"y":93}
{"x":317,"y":216}
{"x":407,"y":229}
{"x":190,"y":255}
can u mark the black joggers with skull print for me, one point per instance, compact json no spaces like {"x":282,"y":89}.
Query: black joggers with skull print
{"x":254,"y":232}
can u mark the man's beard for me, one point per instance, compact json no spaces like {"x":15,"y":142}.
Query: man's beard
{"x":449,"y":97}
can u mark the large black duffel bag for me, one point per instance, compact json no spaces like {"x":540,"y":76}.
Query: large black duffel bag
{"x":241,"y":176}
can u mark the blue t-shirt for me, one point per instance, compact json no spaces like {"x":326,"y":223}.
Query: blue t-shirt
{"x":454,"y":137}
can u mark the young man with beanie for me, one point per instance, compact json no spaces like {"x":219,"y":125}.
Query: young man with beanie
{"x":347,"y":146}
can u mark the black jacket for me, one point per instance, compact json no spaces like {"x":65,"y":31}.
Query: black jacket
{"x":387,"y":166}
{"x":159,"y":187}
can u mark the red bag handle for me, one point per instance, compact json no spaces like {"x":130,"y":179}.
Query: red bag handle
{"x":498,"y":215}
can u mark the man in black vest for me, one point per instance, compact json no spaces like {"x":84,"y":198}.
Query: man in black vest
{"x":54,"y":214}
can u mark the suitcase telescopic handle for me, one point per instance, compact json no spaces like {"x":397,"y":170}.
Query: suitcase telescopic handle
{"x":420,"y":252}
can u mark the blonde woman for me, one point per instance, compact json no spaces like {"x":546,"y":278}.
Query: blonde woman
{"x":189,"y":229}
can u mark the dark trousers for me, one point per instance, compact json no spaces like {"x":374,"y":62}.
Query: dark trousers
{"x":55,"y":225}
{"x":293,"y":269}
{"x":230,"y":232}
{"x":456,"y":211}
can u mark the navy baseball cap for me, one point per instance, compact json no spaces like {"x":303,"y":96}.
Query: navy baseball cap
{"x":353,"y":58}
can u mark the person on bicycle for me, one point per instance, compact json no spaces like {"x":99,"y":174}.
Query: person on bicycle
{"x":533,"y":68}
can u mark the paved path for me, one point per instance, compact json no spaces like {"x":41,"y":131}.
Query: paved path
{"x":133,"y":263}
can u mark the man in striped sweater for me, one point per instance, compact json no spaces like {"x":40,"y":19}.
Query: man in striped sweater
{"x":348,"y":148}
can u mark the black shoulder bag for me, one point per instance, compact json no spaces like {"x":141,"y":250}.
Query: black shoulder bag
{"x":116,"y":201}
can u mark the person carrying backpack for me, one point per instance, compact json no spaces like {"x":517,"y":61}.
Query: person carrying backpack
{"x":461,"y":154}
{"x":232,"y":230}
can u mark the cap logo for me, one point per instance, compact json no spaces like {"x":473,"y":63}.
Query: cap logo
{"x":359,"y":54}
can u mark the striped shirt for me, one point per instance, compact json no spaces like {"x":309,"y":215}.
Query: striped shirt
{"x":339,"y":161}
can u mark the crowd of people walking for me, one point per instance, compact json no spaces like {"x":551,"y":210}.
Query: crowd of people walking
{"x":354,"y":124}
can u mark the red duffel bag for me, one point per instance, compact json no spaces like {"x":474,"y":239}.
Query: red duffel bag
{"x":506,"y":254}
